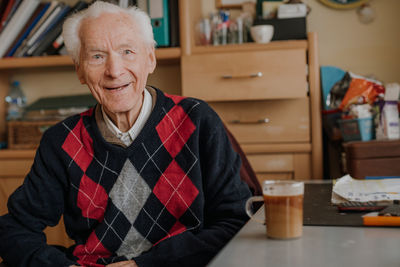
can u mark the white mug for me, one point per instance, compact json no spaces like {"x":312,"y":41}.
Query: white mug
{"x":262,"y":33}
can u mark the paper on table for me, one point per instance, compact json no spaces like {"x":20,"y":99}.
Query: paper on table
{"x":348,"y":189}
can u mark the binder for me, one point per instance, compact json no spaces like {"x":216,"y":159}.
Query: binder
{"x":173,"y":23}
{"x":159,"y":15}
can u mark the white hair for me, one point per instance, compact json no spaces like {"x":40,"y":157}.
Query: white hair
{"x":72,"y":25}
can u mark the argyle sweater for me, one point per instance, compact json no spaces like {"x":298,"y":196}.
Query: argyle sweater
{"x":172,"y":198}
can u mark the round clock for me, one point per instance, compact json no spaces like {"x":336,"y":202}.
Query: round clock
{"x":343,"y":4}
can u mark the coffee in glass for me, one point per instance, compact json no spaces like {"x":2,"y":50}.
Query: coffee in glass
{"x":283,"y":203}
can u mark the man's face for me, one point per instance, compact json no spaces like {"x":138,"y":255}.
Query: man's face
{"x":114,"y":61}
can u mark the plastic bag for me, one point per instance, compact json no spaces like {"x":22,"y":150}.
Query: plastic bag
{"x":361,"y":91}
{"x":338,"y":91}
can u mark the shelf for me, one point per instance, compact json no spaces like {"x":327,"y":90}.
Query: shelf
{"x":163,"y":55}
{"x":33,"y":62}
{"x":290,"y":44}
{"x":17,"y":153}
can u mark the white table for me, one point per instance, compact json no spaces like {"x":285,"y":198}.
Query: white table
{"x":320,"y":246}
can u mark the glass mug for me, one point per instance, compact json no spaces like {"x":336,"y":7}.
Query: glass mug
{"x":283,"y":202}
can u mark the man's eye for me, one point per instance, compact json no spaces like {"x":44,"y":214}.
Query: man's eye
{"x":97,"y":56}
{"x":128,"y":52}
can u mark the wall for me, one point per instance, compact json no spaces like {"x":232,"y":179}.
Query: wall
{"x":365,"y":49}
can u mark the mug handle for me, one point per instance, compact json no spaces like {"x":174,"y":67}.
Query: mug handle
{"x":249,"y":210}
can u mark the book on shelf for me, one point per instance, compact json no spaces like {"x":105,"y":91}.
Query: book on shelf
{"x":12,"y":11}
{"x":53,"y":37}
{"x":16,"y":24}
{"x":40,"y":10}
{"x":173,"y":9}
{"x":53,"y":4}
{"x":49,"y":10}
{"x":55,"y":47}
{"x":6,"y":13}
{"x":32,"y":41}
{"x":3,"y":5}
{"x":53,"y":23}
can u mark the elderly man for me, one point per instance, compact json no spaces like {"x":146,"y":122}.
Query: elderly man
{"x":142,"y":179}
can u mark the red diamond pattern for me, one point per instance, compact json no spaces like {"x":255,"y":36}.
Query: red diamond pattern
{"x":92,"y":199}
{"x":89,"y":253}
{"x":176,"y":229}
{"x":175,"y":98}
{"x":88,"y":112}
{"x":175,"y":179}
{"x":175,"y":129}
{"x":81,"y":153}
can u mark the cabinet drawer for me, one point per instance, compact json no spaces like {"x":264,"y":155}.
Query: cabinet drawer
{"x":228,"y":76}
{"x":271,"y":162}
{"x":281,"y":166}
{"x":268,"y":121}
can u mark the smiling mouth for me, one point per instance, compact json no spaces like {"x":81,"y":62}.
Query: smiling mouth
{"x":118,"y":88}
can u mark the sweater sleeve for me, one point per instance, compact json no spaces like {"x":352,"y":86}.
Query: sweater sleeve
{"x":224,"y":213}
{"x":38,"y":203}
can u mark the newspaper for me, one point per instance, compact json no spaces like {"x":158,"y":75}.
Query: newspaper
{"x":347,"y":189}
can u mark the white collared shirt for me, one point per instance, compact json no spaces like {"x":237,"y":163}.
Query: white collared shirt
{"x":128,"y":137}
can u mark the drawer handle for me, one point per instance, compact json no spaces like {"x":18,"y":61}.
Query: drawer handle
{"x":252,"y":75}
{"x":260,"y":121}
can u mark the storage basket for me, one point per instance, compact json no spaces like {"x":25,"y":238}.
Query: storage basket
{"x":26,"y":134}
{"x":357,"y":129}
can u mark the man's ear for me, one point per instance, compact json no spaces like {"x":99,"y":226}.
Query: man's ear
{"x":152,"y":60}
{"x":79,"y":72}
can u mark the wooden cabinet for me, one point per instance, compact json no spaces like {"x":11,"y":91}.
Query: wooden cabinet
{"x":267,"y":94}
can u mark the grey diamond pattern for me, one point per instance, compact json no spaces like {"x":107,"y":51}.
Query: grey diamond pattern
{"x":134,"y":244}
{"x":129,"y":194}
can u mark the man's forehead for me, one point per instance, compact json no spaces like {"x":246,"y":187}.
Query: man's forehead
{"x":108,"y":28}
{"x":107,"y":23}
{"x":97,"y":44}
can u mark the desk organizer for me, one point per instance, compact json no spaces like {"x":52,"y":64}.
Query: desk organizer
{"x":357,"y":129}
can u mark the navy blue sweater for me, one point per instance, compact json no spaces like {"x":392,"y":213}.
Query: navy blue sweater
{"x":172,"y":198}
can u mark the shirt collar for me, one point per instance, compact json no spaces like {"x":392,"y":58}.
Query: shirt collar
{"x":128,"y":137}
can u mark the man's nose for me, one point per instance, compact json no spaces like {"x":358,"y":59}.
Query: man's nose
{"x":114,"y":66}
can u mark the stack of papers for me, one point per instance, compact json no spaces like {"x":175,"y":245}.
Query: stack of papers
{"x":380,"y":191}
